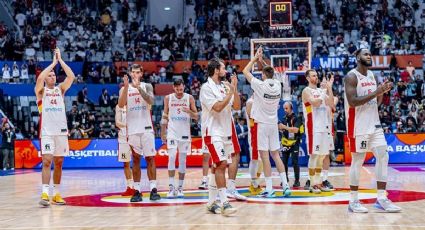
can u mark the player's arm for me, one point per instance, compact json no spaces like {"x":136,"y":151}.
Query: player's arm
{"x":164,"y":119}
{"x":148,"y":94}
{"x":236,"y":98}
{"x":39,"y":85}
{"x":307,"y":97}
{"x":289,"y":129}
{"x":66,"y":84}
{"x":248,"y":110}
{"x":247,"y":70}
{"x":220,"y":105}
{"x":118,"y":119}
{"x":122,"y":100}
{"x":380,"y":97}
{"x":351,"y":91}
{"x":193,"y":112}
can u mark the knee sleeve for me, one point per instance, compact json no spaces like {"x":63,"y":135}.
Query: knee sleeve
{"x":253,"y":168}
{"x":319,"y":161}
{"x":356,"y":166}
{"x":182,"y":162}
{"x":172,"y":159}
{"x":381,"y":166}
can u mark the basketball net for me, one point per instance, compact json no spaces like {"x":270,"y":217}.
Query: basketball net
{"x":279,"y":74}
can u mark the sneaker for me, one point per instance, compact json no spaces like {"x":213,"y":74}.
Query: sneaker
{"x":315,"y":189}
{"x":137,"y":197}
{"x":128,"y":192}
{"x":235,"y":195}
{"x":254,"y":190}
{"x":324,"y":188}
{"x":172,"y":192}
{"x":386,"y":205}
{"x":328,"y":184}
{"x":267,"y":194}
{"x":227,"y":209}
{"x":356,"y":207}
{"x":307,"y":185}
{"x":154,"y":195}
{"x":57,"y":199}
{"x":180,"y":193}
{"x":286,"y":191}
{"x":214,"y":208}
{"x":296,"y":184}
{"x":203,"y":185}
{"x":45,"y":201}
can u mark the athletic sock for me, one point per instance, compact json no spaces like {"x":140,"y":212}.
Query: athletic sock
{"x":45,"y":188}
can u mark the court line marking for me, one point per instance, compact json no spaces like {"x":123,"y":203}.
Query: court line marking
{"x":217,"y":224}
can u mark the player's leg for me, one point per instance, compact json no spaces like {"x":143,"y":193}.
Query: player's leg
{"x":47,"y":151}
{"x":254,"y":164}
{"x":318,"y":175}
{"x":124,"y":155}
{"x":148,"y":143}
{"x":233,"y":168}
{"x":274,"y":145}
{"x":355,"y":169}
{"x":135,"y":144}
{"x":205,"y":166}
{"x":61,"y":150}
{"x":325,"y":172}
{"x":184,"y":148}
{"x":172,"y":154}
{"x":379,"y":149}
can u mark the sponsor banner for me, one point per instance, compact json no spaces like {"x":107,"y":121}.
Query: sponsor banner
{"x":96,"y":153}
{"x":378,"y":62}
{"x":402,"y":148}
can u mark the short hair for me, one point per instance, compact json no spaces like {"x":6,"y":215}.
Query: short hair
{"x":288,"y":103}
{"x":357,"y":52}
{"x":307,"y":73}
{"x":268,"y":71}
{"x":136,"y":66}
{"x":178,"y":82}
{"x":213,"y":64}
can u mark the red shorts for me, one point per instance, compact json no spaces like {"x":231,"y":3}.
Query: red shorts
{"x":254,"y":143}
{"x":235,"y":141}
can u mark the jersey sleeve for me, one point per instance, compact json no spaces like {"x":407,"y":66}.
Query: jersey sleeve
{"x":207,"y":97}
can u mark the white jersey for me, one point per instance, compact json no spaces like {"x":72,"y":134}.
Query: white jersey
{"x":52,"y":113}
{"x":178,"y":121}
{"x":266,"y":100}
{"x":363,"y":119}
{"x":122,"y":118}
{"x":139,"y":118}
{"x":215,"y":123}
{"x":316,"y":118}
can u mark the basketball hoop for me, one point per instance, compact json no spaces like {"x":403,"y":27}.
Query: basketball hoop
{"x":279,"y":74}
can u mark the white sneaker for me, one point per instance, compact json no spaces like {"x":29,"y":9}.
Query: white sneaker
{"x":357,"y":207}
{"x":203,"y":185}
{"x":180,"y":193}
{"x":235,"y":194}
{"x":386,"y":205}
{"x":227,"y":209}
{"x":172,"y":192}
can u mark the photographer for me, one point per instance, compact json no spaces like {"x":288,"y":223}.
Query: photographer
{"x":289,"y":127}
{"x":8,"y":137}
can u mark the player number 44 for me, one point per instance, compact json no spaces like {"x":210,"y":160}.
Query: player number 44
{"x":53,"y":102}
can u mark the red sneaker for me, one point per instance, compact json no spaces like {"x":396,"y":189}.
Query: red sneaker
{"x":128,"y":192}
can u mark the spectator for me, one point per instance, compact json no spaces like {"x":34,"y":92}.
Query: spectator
{"x":15,"y":72}
{"x":6,"y":73}
{"x":82,"y":98}
{"x":8,"y":138}
{"x":410,"y":69}
{"x":24,"y":73}
{"x":105,"y":102}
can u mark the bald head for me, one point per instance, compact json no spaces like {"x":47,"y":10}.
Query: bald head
{"x":287,"y":106}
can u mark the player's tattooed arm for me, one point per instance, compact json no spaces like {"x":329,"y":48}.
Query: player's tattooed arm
{"x":122,"y":100}
{"x":148,"y":94}
{"x":164,"y":120}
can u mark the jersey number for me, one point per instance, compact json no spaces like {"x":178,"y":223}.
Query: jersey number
{"x":137,"y":100}
{"x":53,"y":102}
{"x":179,"y":111}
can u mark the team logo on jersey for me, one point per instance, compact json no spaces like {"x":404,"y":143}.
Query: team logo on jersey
{"x":363,"y":145}
{"x":47,"y":147}
{"x":317,"y":147}
{"x":123,"y":156}
{"x":222,"y":152}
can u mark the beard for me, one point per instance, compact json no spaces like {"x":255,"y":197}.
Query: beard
{"x":366,"y":63}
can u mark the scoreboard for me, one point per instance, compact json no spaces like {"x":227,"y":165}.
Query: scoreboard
{"x":280,"y":14}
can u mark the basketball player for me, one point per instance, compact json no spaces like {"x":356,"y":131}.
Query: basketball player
{"x":216,"y":98}
{"x":124,"y":150}
{"x":267,"y":94}
{"x":315,"y":103}
{"x":205,"y":166}
{"x":331,"y":132}
{"x":53,"y":126}
{"x":364,"y":130}
{"x":255,"y":162}
{"x":138,"y":97}
{"x":179,"y":109}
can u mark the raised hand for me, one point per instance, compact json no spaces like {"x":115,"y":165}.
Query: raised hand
{"x":125,"y":80}
{"x":230,"y":87}
{"x":58,"y":54}
{"x":384,"y":87}
{"x":234,"y":80}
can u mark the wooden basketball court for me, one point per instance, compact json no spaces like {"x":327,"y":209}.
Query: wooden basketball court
{"x":94,"y":203}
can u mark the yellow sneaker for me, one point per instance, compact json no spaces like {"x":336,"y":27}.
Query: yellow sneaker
{"x":57,"y":199}
{"x":254,"y":191}
{"x":45,"y":201}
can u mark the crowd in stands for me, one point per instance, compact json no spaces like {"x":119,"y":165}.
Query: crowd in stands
{"x":117,"y":31}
